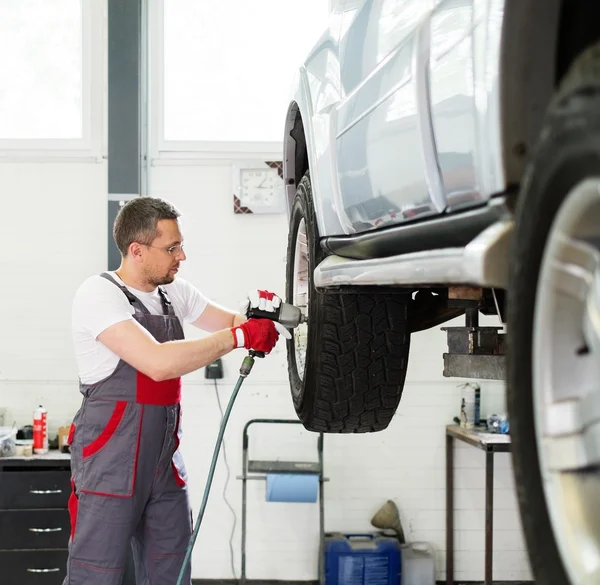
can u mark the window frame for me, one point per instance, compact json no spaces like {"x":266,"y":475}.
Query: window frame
{"x":94,"y":67}
{"x":189,"y":150}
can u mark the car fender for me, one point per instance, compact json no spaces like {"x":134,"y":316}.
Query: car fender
{"x":319,"y":154}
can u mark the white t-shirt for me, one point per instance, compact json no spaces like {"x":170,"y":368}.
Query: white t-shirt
{"x":98,"y":304}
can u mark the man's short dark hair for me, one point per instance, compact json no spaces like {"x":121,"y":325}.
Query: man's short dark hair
{"x":137,"y":221}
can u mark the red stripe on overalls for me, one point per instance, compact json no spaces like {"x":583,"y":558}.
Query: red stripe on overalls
{"x":178,"y":478}
{"x":108,"y":432}
{"x":72,"y":506}
{"x":73,"y":501}
{"x":165,"y":393}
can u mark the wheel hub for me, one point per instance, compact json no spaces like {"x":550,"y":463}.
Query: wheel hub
{"x":301,"y":296}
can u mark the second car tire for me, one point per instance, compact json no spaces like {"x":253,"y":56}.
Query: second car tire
{"x":567,"y":154}
{"x":357,"y":344}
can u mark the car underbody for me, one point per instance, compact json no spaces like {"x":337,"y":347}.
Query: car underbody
{"x":462,"y":272}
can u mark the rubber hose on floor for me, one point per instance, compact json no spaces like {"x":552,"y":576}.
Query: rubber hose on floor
{"x":211,"y":474}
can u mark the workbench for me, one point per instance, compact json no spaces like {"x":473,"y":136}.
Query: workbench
{"x":490,"y":443}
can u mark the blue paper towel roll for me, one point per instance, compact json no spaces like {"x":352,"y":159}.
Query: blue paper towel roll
{"x":292,"y":487}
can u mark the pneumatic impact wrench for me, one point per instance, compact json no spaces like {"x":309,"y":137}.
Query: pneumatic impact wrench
{"x":287,"y":315}
{"x":290,"y":317}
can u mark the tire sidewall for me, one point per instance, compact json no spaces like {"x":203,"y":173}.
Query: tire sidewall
{"x":567,"y":155}
{"x":303,"y":209}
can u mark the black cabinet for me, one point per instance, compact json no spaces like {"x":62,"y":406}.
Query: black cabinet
{"x":34,"y":521}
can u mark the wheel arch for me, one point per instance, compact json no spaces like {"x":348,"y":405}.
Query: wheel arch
{"x":536,"y":52}
{"x":295,"y":153}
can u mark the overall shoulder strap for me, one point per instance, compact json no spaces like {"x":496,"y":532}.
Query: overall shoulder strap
{"x":130,"y":296}
{"x":166,"y":301}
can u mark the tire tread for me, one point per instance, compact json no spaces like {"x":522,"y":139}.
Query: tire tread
{"x":369,"y":402}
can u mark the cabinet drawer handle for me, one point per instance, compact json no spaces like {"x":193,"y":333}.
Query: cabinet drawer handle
{"x":45,"y":530}
{"x":45,"y":492}
{"x":43,"y":570}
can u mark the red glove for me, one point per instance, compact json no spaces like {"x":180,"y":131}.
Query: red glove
{"x":256,"y":334}
{"x":261,"y":299}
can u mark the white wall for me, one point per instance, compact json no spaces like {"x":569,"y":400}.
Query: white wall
{"x":57,"y":236}
{"x":53,"y":235}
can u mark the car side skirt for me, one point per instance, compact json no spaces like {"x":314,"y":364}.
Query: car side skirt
{"x":453,"y":230}
{"x":483,"y":262}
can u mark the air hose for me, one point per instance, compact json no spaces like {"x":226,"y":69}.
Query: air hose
{"x":245,"y":369}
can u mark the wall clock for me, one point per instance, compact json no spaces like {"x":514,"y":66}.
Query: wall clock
{"x":258,"y":187}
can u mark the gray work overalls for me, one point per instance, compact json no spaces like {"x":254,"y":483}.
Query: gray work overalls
{"x":128,"y":476}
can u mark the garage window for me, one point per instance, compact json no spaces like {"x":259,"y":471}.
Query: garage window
{"x":45,"y":75}
{"x":226,"y":68}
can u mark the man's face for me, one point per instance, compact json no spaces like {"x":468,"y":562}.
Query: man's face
{"x":162,"y":257}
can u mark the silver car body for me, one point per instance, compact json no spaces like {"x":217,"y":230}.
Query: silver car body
{"x":400,"y":103}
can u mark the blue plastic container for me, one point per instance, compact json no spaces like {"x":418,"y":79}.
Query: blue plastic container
{"x":362,"y":559}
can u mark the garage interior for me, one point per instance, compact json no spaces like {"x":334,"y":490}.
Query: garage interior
{"x":112,"y":99}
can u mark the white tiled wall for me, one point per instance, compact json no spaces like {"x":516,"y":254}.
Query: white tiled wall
{"x":58,"y":237}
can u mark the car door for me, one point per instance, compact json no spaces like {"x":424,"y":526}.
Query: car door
{"x":453,"y":99}
{"x":384,"y":142}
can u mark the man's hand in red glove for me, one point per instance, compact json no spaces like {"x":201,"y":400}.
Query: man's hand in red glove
{"x":261,"y":299}
{"x":258,"y":334}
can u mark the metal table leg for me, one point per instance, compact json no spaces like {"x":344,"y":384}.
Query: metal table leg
{"x":321,"y":563}
{"x":491,"y":444}
{"x":449,"y":510}
{"x":489,"y":515}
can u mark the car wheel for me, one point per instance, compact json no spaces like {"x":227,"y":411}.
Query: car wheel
{"x":348,"y":363}
{"x":554,"y":337}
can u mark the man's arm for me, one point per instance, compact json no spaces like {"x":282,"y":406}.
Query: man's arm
{"x":214,"y":318}
{"x":163,"y":361}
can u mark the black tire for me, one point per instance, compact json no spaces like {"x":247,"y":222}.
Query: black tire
{"x":357,"y":347}
{"x":568,"y":151}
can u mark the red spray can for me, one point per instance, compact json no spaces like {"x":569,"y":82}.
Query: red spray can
{"x":40,"y":430}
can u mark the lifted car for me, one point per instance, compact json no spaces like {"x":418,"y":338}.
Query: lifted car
{"x":442,"y":158}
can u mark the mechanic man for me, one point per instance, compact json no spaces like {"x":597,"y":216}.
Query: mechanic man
{"x":128,"y":476}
